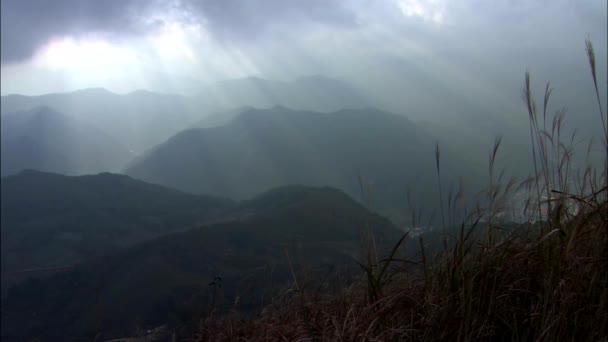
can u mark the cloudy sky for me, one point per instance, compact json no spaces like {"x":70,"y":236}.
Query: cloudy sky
{"x":404,"y":50}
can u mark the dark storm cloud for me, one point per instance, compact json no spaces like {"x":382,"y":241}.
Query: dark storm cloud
{"x":238,"y":19}
{"x":28,"y":24}
{"x":471,"y":48}
{"x":25,"y":25}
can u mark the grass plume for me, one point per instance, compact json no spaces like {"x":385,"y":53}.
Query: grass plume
{"x":543,"y":279}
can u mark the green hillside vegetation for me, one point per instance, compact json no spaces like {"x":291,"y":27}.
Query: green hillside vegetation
{"x":315,"y":232}
{"x":52,"y":221}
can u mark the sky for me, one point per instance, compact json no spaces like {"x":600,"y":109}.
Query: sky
{"x":402,"y":51}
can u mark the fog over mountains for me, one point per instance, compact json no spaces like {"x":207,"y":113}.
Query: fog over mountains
{"x":315,"y":170}
{"x":262,"y":149}
{"x":219,"y":185}
{"x":269,"y":134}
{"x":142,"y":119}
{"x":44,"y":139}
{"x":240,"y":137}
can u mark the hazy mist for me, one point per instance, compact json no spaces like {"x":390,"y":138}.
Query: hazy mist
{"x":417,"y":57}
{"x":303,"y":170}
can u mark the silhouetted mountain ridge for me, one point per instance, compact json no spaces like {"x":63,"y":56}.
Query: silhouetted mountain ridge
{"x":265,"y":148}
{"x":51,"y":220}
{"x":254,"y":250}
{"x":142,"y":119}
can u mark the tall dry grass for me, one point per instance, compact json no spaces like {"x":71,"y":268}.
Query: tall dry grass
{"x":543,"y":279}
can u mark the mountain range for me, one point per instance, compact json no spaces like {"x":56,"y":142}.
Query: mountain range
{"x":51,"y":220}
{"x":46,"y":140}
{"x":234,"y":153}
{"x":136,"y":120}
{"x":171,"y":266}
{"x":262,"y":149}
{"x":142,"y":119}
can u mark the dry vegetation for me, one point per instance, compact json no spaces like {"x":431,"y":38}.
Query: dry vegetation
{"x":544,"y":279}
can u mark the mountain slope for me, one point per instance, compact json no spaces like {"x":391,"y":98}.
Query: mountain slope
{"x":50,"y":220}
{"x":175,"y":278}
{"x":138,"y":120}
{"x":262,"y":149}
{"x":47,"y":140}
{"x":143,"y":119}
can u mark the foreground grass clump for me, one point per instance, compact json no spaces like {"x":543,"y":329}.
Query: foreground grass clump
{"x":549,"y":285}
{"x":544,"y":279}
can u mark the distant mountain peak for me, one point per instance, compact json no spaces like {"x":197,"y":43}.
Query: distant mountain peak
{"x":141,"y":92}
{"x":316,"y":78}
{"x":33,"y":173}
{"x":94,"y":91}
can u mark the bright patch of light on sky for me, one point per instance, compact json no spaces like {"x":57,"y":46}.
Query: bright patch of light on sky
{"x":87,"y":57}
{"x":174,"y":41}
{"x":179,"y":45}
{"x":429,"y":10}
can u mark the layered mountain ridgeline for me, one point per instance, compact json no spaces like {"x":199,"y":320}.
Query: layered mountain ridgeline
{"x":307,"y":233}
{"x":137,"y":120}
{"x":262,"y":149}
{"x":51,"y":221}
{"x":46,"y":140}
{"x":142,"y":119}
